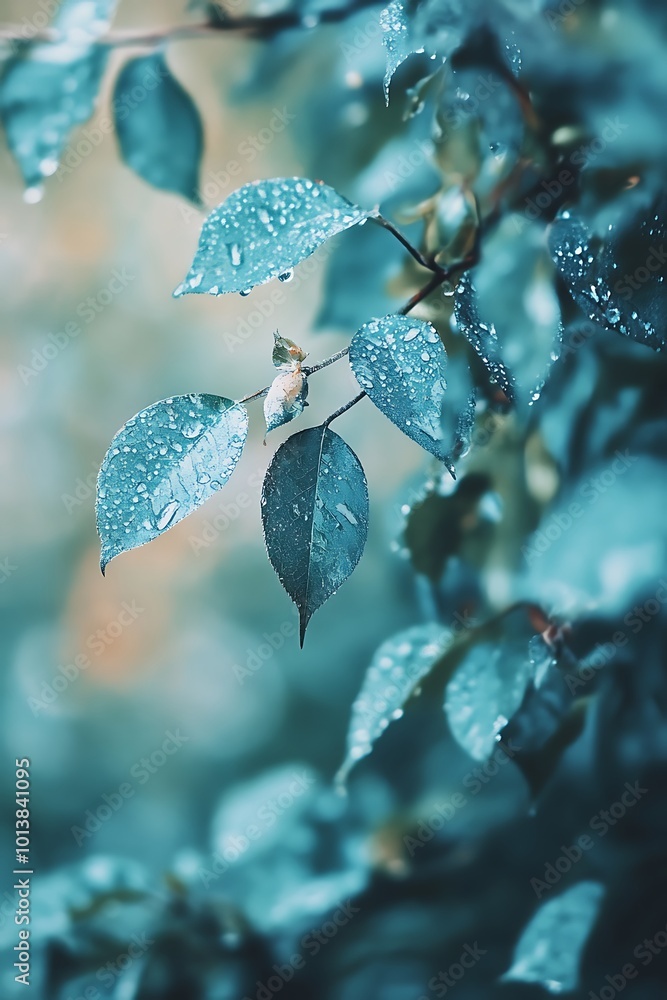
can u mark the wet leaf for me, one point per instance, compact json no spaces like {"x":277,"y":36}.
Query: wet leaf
{"x":397,"y":666}
{"x":400,"y":362}
{"x":549,"y":949}
{"x":396,"y":39}
{"x":161,"y":136}
{"x":619,"y":285}
{"x":480,"y":335}
{"x":286,"y":354}
{"x":285,"y":399}
{"x":485,"y":692}
{"x":163,"y":464}
{"x":262,"y":230}
{"x":48,"y":89}
{"x":315,"y":516}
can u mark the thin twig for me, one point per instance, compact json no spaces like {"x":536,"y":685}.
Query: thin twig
{"x":344,"y":408}
{"x":327,"y":361}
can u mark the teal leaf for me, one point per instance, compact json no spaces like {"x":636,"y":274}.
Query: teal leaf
{"x":483,"y":337}
{"x":315,"y":516}
{"x":161,"y":136}
{"x":397,"y":667}
{"x":285,"y":399}
{"x":49,"y":88}
{"x":603,"y":279}
{"x":550,"y":947}
{"x":485,"y":692}
{"x":163,"y":464}
{"x":396,"y":39}
{"x":262,"y":230}
{"x":400,"y":362}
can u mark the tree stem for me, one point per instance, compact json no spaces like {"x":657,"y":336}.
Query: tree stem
{"x":344,"y":408}
{"x":413,"y":251}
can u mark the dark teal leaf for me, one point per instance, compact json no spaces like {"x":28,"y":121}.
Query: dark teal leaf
{"x":315,"y":516}
{"x":161,"y":136}
{"x":285,"y":399}
{"x":485,"y":692}
{"x":549,"y":949}
{"x":396,"y":668}
{"x":619,"y":284}
{"x":50,"y":88}
{"x":400,"y":362}
{"x":163,"y":464}
{"x":262,"y":230}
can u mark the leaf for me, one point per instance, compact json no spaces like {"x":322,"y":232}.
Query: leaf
{"x":286,"y":354}
{"x":315,"y":516}
{"x":400,"y":362}
{"x":396,"y":40}
{"x":549,"y":949}
{"x":397,"y":666}
{"x":163,"y":464}
{"x":49,"y":88}
{"x":161,"y":135}
{"x":607,"y":283}
{"x":285,"y":399}
{"x":262,"y":230}
{"x":438,"y":525}
{"x":485,"y":692}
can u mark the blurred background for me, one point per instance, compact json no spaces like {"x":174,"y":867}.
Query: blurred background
{"x":180,"y":673}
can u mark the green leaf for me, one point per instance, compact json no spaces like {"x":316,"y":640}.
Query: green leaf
{"x":397,"y":666}
{"x":400,"y":362}
{"x":549,"y":949}
{"x":160,"y":135}
{"x":262,"y":230}
{"x":285,"y":399}
{"x":49,"y":88}
{"x":485,"y":692}
{"x":315,"y":516}
{"x":163,"y":464}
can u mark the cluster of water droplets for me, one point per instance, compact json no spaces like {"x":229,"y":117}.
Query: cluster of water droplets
{"x":262,"y":230}
{"x":395,"y":671}
{"x":630,"y":304}
{"x":163,"y":464}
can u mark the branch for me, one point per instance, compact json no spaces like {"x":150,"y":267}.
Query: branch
{"x":344,"y":408}
{"x":418,"y":256}
{"x":252,"y":25}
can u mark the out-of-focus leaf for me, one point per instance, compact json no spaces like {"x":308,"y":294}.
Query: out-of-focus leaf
{"x":549,"y":949}
{"x":411,"y":29}
{"x":50,"y":88}
{"x":485,"y":692}
{"x":315,"y":516}
{"x":621,"y":285}
{"x":285,"y":399}
{"x":286,"y":354}
{"x":400,"y":363}
{"x":161,"y":136}
{"x":262,"y":230}
{"x":163,"y":464}
{"x":436,"y":526}
{"x":397,"y":666}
